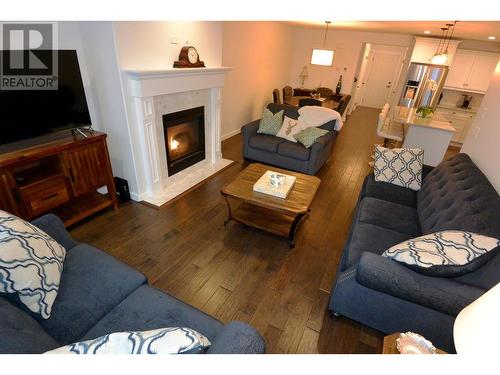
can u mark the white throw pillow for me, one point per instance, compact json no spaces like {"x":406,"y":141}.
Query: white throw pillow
{"x":31,"y":263}
{"x":174,"y":340}
{"x":399,"y":166}
{"x":291,"y":127}
{"x":317,"y":116}
{"x":448,"y":253}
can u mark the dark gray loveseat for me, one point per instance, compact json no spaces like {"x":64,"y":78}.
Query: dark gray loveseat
{"x":279,"y":152}
{"x":98,"y":294}
{"x":387,"y":296}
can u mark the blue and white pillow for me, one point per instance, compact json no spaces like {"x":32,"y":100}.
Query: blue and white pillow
{"x":31,"y":263}
{"x":399,"y":166}
{"x":448,"y":253}
{"x":174,"y":340}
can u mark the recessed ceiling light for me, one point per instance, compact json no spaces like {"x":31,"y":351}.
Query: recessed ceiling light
{"x":427,"y":32}
{"x":491,"y":38}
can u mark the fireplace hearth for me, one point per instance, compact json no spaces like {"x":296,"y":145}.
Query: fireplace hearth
{"x":184,"y":133}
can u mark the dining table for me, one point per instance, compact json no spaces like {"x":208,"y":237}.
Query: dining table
{"x":327,"y":103}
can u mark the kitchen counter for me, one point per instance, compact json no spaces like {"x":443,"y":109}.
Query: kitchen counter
{"x":408,"y":116}
{"x":433,"y":135}
{"x":455,"y":108}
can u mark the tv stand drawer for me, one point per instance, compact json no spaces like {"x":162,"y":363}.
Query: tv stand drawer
{"x":41,"y":196}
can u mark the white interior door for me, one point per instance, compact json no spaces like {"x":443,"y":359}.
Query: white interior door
{"x":383,"y":70}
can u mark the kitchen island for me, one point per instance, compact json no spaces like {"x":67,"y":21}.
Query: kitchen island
{"x":433,"y":135}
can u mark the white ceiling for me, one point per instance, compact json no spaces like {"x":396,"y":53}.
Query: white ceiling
{"x":473,"y":30}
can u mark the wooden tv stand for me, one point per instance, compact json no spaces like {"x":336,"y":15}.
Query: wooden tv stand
{"x":60,"y":176}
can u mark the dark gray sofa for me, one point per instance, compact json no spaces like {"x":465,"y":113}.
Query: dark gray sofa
{"x":279,"y":152}
{"x":387,"y":296}
{"x":98,"y":294}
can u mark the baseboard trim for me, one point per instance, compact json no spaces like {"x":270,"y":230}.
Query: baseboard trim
{"x":230,"y":134}
{"x":137,"y":197}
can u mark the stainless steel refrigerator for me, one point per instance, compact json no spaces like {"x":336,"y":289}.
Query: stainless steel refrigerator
{"x":423,"y":85}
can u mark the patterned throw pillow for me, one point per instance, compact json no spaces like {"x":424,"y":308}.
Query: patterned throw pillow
{"x":31,"y":263}
{"x":309,"y":135}
{"x":448,"y":253}
{"x":290,"y":128}
{"x":270,"y":123}
{"x":399,"y":166}
{"x":174,"y":340}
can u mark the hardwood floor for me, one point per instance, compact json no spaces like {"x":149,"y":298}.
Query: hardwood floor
{"x":245,"y":274}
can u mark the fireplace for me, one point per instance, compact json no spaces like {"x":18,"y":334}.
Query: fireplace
{"x":184,"y":133}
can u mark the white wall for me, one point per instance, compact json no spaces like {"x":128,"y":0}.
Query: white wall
{"x":485,"y":148}
{"x":106,"y":90}
{"x":148,"y":45}
{"x":259,"y":54}
{"x":348,"y":48}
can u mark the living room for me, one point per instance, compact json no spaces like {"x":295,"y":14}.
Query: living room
{"x":240,"y":271}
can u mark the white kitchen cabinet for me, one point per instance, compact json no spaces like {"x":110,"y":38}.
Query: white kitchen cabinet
{"x":460,"y":120}
{"x":459,"y":70}
{"x":471,"y":71}
{"x":425,"y":48}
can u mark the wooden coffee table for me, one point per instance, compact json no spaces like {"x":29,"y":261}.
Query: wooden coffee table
{"x":265,"y":212}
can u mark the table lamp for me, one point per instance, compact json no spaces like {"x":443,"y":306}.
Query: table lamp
{"x":477,"y":326}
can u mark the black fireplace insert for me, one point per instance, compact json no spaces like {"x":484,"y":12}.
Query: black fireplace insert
{"x":184,"y":133}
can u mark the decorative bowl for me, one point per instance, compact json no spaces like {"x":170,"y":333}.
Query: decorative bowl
{"x":277,"y":179}
{"x":413,"y":343}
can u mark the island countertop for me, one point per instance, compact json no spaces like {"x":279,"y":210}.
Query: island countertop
{"x":408,"y":116}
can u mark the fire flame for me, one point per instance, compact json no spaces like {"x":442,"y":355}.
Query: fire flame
{"x":174,"y":144}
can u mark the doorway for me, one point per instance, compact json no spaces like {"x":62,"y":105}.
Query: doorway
{"x":378,"y":75}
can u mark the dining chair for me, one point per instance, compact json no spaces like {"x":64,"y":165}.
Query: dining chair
{"x":287,"y":93}
{"x":309,"y":101}
{"x":325,"y":92}
{"x":276,"y":96}
{"x":342,"y":106}
{"x":388,"y":129}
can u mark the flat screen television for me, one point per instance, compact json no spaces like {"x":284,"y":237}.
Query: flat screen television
{"x":27,"y":114}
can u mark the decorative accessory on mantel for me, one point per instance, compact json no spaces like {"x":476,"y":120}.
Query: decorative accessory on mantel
{"x":323,"y":56}
{"x":441,"y":55}
{"x":189,"y":58}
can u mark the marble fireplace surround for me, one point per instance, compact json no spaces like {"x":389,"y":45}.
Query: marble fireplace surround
{"x":155,"y":93}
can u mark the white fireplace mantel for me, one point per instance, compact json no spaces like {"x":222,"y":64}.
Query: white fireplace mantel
{"x":167,"y":81}
{"x":153,"y":93}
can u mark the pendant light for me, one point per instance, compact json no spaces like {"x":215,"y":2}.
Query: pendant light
{"x":323,"y":56}
{"x":441,"y":55}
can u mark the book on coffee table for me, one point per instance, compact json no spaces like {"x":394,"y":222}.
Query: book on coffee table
{"x":263,"y":185}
